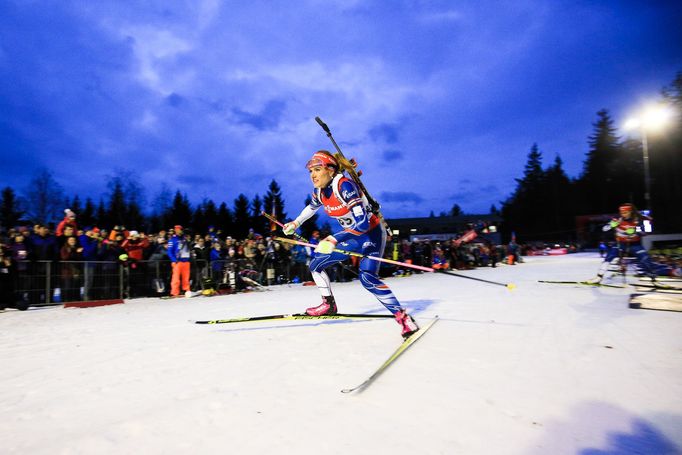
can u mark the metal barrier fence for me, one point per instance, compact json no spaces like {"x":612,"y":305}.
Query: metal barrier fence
{"x":44,"y":283}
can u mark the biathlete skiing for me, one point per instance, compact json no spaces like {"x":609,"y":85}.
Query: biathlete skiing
{"x":361,"y":232}
{"x":628,"y":242}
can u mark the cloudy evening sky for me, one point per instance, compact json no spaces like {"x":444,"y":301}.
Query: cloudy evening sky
{"x":439,"y":101}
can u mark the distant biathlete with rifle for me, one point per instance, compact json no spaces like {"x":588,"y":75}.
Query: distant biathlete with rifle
{"x":628,"y":241}
{"x":362,"y":233}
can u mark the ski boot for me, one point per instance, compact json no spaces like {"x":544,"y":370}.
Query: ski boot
{"x":328,"y":306}
{"x":407,"y":323}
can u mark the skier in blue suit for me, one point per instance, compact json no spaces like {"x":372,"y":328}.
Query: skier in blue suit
{"x":362,"y":232}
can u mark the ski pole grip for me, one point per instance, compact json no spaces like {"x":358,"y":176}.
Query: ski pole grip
{"x":323,"y":125}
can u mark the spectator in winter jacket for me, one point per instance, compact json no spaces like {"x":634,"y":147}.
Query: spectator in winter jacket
{"x":69,"y":220}
{"x":251,"y":251}
{"x":92,"y":246}
{"x":70,"y":270}
{"x":300,"y":256}
{"x":216,"y":257}
{"x":202,"y":255}
{"x":20,"y":253}
{"x":200,"y":251}
{"x":7,"y":282}
{"x":119,"y":230}
{"x":135,"y":245}
{"x":69,"y":231}
{"x":44,"y":245}
{"x":180,"y":254}
{"x":212,"y":234}
{"x":159,"y":247}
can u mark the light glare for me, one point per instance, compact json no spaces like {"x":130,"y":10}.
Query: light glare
{"x":656,"y":117}
{"x":653,"y":118}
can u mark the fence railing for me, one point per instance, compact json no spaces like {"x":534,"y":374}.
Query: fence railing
{"x":45,"y":282}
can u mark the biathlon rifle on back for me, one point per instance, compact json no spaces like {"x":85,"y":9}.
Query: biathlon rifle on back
{"x":350,"y":166}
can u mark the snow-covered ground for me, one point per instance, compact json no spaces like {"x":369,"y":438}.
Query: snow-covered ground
{"x":545,"y":369}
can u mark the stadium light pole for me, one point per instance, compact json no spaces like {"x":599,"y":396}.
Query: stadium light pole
{"x":653,"y":118}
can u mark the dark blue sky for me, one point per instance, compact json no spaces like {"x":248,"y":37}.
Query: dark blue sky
{"x":439,"y":101}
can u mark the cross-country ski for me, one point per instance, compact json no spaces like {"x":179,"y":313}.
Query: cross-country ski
{"x":295,"y":316}
{"x":408,"y":342}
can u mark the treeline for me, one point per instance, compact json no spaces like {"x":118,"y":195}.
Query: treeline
{"x":124,"y":205}
{"x":546,"y":201}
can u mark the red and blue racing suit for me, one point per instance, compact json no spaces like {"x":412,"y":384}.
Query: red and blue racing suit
{"x":362,"y":233}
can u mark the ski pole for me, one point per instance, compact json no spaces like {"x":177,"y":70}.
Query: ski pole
{"x":301,"y":238}
{"x":358,"y":255}
{"x":509,"y":286}
{"x":278,"y":223}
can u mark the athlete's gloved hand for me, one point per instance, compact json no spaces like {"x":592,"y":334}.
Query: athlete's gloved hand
{"x":630,"y":231}
{"x":326,"y":246}
{"x":614,"y":223}
{"x":290,"y":227}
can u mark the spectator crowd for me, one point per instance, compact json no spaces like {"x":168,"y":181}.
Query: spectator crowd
{"x":85,"y":262}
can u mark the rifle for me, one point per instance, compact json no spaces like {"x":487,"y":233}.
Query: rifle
{"x":350,"y":166}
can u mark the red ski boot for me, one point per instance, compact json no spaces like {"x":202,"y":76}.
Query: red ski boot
{"x":407,"y":323}
{"x":328,"y":306}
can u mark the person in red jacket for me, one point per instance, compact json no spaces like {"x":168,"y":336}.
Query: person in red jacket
{"x":69,"y":220}
{"x":135,"y":246}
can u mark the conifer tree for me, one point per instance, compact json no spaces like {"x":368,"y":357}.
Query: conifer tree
{"x":226,"y":220}
{"x":258,"y":222}
{"x":10,"y":211}
{"x":210,"y":214}
{"x":161,"y":205}
{"x":273,"y":200}
{"x":198,"y":221}
{"x":117,"y":209}
{"x":87,"y":217}
{"x":559,"y":207}
{"x":180,"y":211}
{"x":601,"y":189}
{"x":101,"y":215}
{"x":75,"y":206}
{"x":456,"y":210}
{"x":242,"y":217}
{"x":135,"y":219}
{"x":522,"y":211}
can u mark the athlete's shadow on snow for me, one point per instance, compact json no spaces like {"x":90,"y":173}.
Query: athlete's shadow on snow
{"x":606,"y":421}
{"x":415,"y":307}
